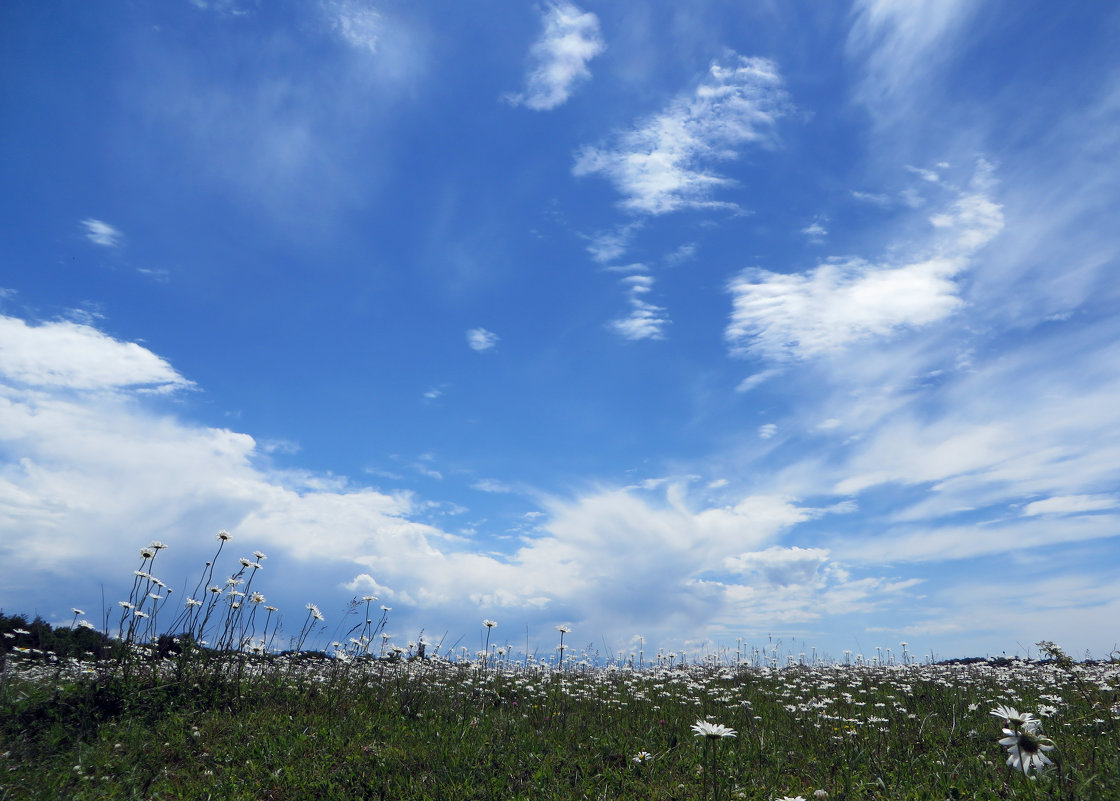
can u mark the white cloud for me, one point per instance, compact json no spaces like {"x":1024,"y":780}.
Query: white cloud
{"x":660,"y":166}
{"x":780,"y":566}
{"x":220,"y":6}
{"x":805,"y":315}
{"x":358,"y":23}
{"x":960,"y":542}
{"x":76,"y":356}
{"x":279,"y":446}
{"x":101,"y":233}
{"x":481,"y":340}
{"x":1030,"y":422}
{"x":86,"y":477}
{"x":492,"y":485}
{"x":767,"y":431}
{"x":926,"y":175}
{"x":752,"y":381}
{"x":606,"y":246}
{"x":899,"y":43}
{"x":570,"y":39}
{"x":874,"y":198}
{"x":780,"y":316}
{"x":645,"y":320}
{"x":684,"y":253}
{"x":1071,"y":504}
{"x":815,"y":231}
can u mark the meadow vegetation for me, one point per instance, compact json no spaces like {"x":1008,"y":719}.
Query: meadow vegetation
{"x":196,"y":700}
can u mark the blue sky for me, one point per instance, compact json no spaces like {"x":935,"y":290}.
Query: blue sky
{"x":760,"y":320}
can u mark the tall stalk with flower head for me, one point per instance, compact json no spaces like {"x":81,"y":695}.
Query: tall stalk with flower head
{"x":561,"y":647}
{"x":711,"y":733}
{"x":489,"y":624}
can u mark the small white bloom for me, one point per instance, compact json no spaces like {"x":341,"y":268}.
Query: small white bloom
{"x":1016,"y":719}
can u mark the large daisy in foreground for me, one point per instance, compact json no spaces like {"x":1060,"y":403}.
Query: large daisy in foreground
{"x":1026,"y":749}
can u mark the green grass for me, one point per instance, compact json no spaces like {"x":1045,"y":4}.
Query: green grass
{"x":292,"y":728}
{"x":216,"y":713}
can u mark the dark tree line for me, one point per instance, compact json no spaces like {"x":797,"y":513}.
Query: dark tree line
{"x":62,"y":641}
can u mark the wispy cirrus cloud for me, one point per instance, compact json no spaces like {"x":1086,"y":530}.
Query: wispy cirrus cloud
{"x":570,"y":39}
{"x":101,"y":233}
{"x":606,"y":246}
{"x":662,"y":165}
{"x":815,"y":231}
{"x":645,"y":320}
{"x":1071,"y":504}
{"x":899,"y":42}
{"x":358,"y":23}
{"x":479,"y":339}
{"x":684,"y":253}
{"x":800,"y":315}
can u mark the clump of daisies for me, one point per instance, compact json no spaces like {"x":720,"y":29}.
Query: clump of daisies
{"x":1023,"y":739}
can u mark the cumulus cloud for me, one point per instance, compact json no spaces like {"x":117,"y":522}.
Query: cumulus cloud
{"x":87,"y":476}
{"x":479,"y":339}
{"x":76,"y":356}
{"x":780,"y":316}
{"x":559,"y":58}
{"x":778,"y":565}
{"x":661,"y":165}
{"x":645,"y":320}
{"x":101,"y":233}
